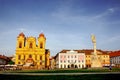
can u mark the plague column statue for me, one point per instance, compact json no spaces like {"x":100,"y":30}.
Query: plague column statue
{"x":95,"y":62}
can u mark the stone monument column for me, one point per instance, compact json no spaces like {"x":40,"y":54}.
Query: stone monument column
{"x":94,"y":43}
{"x":95,"y":62}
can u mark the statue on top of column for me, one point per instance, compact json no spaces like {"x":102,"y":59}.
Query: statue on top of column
{"x":93,"y":38}
{"x":95,"y":62}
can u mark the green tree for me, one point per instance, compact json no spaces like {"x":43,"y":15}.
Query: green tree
{"x":11,"y":62}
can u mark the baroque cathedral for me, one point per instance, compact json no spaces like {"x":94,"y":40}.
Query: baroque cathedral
{"x":30,"y":51}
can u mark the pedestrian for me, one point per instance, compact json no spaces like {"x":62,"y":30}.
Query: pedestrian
{"x":110,"y":68}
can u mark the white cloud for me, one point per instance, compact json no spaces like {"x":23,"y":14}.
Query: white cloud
{"x":105,"y":13}
{"x":65,"y":14}
{"x":111,"y":10}
{"x":21,"y":29}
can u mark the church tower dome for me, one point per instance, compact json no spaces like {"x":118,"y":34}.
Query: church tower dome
{"x":41,"y":35}
{"x":21,"y":34}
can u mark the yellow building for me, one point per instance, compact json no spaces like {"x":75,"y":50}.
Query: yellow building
{"x":30,"y":51}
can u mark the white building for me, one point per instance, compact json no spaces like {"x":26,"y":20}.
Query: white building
{"x":115,"y":58}
{"x":70,"y":59}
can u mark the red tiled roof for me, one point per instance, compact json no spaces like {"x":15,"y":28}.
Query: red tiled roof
{"x":115,"y":53}
{"x":86,"y":51}
{"x":64,"y":51}
{"x":22,"y":34}
{"x":4,"y":57}
{"x":41,"y":35}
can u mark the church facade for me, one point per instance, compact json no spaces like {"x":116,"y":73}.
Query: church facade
{"x":31,"y":51}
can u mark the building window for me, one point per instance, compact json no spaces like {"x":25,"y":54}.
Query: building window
{"x":20,"y":45}
{"x":18,"y":62}
{"x":61,"y":61}
{"x":19,"y":57}
{"x":68,"y":61}
{"x":103,"y":61}
{"x":64,"y":61}
{"x":40,"y":57}
{"x":40,"y":63}
{"x":30,"y":45}
{"x":41,"y":45}
{"x":82,"y":61}
{"x":30,"y":56}
{"x":68,"y":56}
{"x":75,"y":56}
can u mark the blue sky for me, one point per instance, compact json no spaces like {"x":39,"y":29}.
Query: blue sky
{"x":67,"y":24}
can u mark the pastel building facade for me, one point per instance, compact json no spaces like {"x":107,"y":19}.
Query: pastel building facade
{"x":70,"y":59}
{"x":80,"y":58}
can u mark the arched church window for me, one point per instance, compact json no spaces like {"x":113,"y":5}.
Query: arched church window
{"x":41,"y":45}
{"x":18,"y":62}
{"x":31,"y":45}
{"x":30,"y":56}
{"x":40,"y":57}
{"x":20,"y":45}
{"x":19,"y":57}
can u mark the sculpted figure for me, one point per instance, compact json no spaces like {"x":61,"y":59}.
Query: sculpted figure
{"x":93,"y":38}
